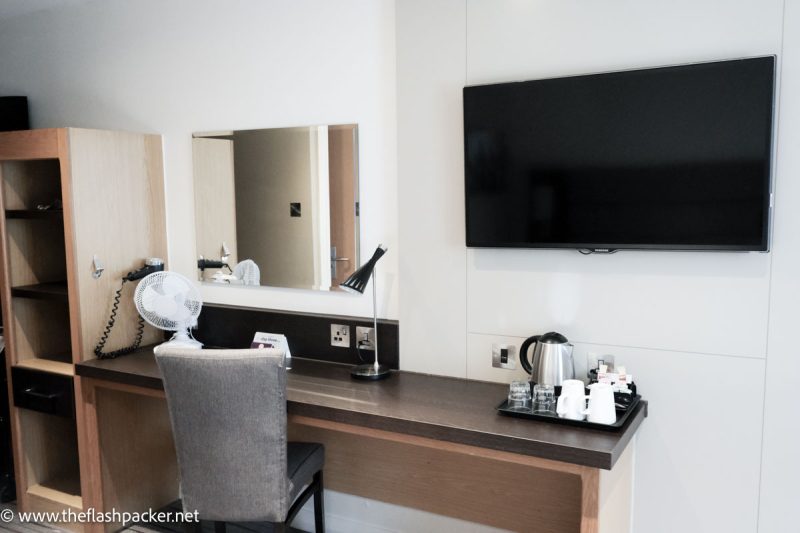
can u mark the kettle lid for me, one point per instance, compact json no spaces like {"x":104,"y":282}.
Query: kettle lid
{"x":553,"y":338}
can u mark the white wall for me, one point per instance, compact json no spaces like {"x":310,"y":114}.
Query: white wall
{"x":693,"y":327}
{"x":183,"y":66}
{"x":430,"y":75}
{"x":780,"y":467}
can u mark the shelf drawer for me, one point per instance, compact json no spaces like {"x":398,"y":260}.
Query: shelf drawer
{"x":44,"y":392}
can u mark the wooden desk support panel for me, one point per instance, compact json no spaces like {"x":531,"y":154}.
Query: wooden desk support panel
{"x":499,"y":489}
{"x":133,"y":465}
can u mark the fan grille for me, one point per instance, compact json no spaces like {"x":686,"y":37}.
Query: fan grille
{"x":168,"y":301}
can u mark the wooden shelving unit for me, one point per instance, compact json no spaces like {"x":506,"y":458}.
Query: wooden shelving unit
{"x":101,"y":189}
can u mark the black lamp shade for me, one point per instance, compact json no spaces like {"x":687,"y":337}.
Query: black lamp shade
{"x":358,"y":280}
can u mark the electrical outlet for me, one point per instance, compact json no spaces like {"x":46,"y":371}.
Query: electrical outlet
{"x":365,"y":338}
{"x":593,"y":359}
{"x":340,"y":335}
{"x":504,"y":356}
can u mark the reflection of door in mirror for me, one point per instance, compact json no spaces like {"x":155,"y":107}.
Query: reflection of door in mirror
{"x":285,"y":198}
{"x":215,"y":201}
{"x":344,"y":217}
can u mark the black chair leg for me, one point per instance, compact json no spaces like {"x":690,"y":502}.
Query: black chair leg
{"x":193,"y":527}
{"x":219,"y":527}
{"x":319,"y":505}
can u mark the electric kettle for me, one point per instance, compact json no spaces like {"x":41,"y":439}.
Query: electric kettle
{"x":552,"y":359}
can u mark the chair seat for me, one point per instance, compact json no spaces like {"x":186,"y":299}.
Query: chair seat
{"x":304,"y":459}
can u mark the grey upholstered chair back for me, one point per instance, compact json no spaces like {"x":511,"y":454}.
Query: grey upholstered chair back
{"x":228,"y":413}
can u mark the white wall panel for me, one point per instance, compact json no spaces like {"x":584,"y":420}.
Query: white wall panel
{"x":523,"y":39}
{"x":698,"y":452}
{"x":781,"y":460}
{"x":430,"y":76}
{"x":693,"y":301}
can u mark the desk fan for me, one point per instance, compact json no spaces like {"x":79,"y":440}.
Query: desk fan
{"x":169,"y":301}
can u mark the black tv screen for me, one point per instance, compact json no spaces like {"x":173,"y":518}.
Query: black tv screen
{"x":662,"y":158}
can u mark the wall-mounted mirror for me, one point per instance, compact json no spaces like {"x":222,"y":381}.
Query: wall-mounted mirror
{"x":277,"y":207}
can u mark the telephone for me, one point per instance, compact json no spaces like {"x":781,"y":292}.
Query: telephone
{"x":151,"y":264}
{"x":203,"y":264}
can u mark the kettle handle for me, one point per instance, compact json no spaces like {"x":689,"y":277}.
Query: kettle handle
{"x":523,"y":353}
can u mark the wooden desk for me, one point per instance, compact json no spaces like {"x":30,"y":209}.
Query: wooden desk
{"x":428,"y":442}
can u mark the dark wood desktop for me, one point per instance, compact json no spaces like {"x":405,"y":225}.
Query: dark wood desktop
{"x":428,"y":442}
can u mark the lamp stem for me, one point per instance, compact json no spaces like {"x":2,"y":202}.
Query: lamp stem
{"x":375,"y":314}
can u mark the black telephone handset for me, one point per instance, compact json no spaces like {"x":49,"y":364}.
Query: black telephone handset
{"x":151,"y":264}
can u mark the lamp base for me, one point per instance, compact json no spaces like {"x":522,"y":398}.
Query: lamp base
{"x":369,"y":372}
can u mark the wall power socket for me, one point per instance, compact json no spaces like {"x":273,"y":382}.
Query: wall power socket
{"x":365,"y":338}
{"x":340,"y":335}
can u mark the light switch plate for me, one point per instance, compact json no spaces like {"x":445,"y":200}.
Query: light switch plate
{"x":504,"y":356}
{"x":340,"y":335}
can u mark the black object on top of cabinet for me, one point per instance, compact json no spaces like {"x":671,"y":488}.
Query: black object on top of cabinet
{"x":14,"y":113}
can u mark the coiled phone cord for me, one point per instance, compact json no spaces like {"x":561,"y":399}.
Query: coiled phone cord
{"x":98,"y":350}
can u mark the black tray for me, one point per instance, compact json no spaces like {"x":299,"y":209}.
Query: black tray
{"x":622,"y":416}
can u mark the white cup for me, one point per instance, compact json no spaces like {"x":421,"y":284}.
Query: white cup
{"x":601,"y":408}
{"x":572,"y":402}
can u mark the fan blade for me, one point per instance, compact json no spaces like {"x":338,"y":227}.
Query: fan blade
{"x":149,"y":297}
{"x":182,"y":314}
{"x":173,"y":285}
{"x":165,"y":306}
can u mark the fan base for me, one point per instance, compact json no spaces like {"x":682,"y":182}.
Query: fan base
{"x":180,"y":341}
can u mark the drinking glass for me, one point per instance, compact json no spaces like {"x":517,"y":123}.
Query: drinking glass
{"x":544,"y":399}
{"x":519,"y":395}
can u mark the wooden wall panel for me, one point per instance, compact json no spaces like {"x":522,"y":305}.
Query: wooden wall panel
{"x":114,"y":207}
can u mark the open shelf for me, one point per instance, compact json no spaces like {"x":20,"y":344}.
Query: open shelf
{"x":36,"y":251}
{"x":51,"y":447}
{"x":66,"y":491}
{"x":49,"y":365}
{"x":41,"y":330}
{"x":56,"y":214}
{"x":53,"y":290}
{"x":27,"y":184}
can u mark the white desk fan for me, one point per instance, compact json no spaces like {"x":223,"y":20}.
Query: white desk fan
{"x":171,"y":302}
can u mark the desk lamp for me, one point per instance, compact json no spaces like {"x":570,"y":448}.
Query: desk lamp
{"x":356,"y":283}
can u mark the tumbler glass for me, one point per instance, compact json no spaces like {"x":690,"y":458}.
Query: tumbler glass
{"x":544,"y":399}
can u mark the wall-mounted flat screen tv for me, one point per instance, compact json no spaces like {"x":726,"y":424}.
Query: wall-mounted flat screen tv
{"x":662,"y":158}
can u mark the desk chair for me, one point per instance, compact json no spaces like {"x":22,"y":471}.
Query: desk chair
{"x":228,"y":413}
